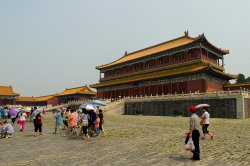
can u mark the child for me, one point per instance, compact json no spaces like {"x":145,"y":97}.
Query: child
{"x":22,"y":120}
{"x":38,"y":124}
{"x":58,"y":118}
{"x":7,"y":130}
{"x":97,"y":125}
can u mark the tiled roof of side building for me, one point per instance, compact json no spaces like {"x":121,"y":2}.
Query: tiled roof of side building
{"x":26,"y":99}
{"x":34,"y":99}
{"x":7,"y":91}
{"x":78,"y":90}
{"x":237,"y":85}
{"x":45,"y":98}
{"x":168,"y":45}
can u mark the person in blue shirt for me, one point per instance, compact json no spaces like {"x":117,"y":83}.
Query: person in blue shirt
{"x":59,"y":121}
{"x":3,"y":113}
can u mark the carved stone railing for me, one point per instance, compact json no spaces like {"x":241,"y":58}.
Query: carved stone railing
{"x":236,"y":93}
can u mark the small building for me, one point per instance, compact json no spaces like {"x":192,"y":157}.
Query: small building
{"x":75,"y":94}
{"x":37,"y":101}
{"x":7,"y":96}
{"x":26,"y":101}
{"x":237,"y":86}
{"x":181,"y":65}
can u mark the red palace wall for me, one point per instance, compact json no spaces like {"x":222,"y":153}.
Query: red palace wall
{"x":196,"y":85}
{"x":177,"y":87}
{"x":53,"y":101}
{"x":203,"y":86}
{"x":213,"y":86}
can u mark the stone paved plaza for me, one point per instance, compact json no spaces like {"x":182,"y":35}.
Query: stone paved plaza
{"x":130,"y":140}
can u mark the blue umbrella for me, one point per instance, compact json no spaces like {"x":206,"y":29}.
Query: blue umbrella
{"x":99,"y":102}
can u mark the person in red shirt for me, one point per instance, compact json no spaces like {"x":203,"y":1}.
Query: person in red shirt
{"x":97,"y":125}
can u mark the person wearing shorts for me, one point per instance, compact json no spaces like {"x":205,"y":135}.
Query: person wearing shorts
{"x":205,"y":119}
{"x":58,"y":118}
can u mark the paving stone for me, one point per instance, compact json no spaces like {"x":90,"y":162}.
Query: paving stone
{"x":130,"y":140}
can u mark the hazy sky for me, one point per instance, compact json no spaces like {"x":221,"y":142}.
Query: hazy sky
{"x":49,"y":45}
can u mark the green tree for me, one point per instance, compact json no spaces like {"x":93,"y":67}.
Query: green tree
{"x":247,"y":79}
{"x":241,"y":78}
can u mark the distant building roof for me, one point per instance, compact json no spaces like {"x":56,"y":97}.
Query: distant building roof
{"x":237,"y":85}
{"x":78,"y":90}
{"x":34,"y":99}
{"x":26,"y":99}
{"x":168,"y":45}
{"x":7,"y":91}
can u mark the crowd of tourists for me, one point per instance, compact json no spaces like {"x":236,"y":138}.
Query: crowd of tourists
{"x":21,"y":117}
{"x":88,"y":123}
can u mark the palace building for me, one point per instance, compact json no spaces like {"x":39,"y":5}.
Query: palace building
{"x":7,"y":96}
{"x":76,"y":94}
{"x":181,"y":65}
{"x":37,"y":101}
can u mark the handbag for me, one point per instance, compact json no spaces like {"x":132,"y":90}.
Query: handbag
{"x":201,"y":122}
{"x":190,"y":145}
{"x":18,"y":121}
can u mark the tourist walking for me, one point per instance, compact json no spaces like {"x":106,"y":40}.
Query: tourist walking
{"x":66,"y":118}
{"x":58,"y":118}
{"x":194,"y":132}
{"x":84,"y":126}
{"x":205,"y":123}
{"x":72,"y":123}
{"x":38,"y":124}
{"x":21,"y":120}
{"x":13,"y":118}
{"x":101,"y":116}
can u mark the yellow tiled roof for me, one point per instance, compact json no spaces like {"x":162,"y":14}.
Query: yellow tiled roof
{"x":26,"y":99}
{"x":181,"y":41}
{"x":224,"y":74}
{"x":166,"y":73}
{"x":7,"y":91}
{"x":34,"y":99}
{"x":78,"y":90}
{"x":44,"y":98}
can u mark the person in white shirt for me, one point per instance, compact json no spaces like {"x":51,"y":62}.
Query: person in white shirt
{"x":205,"y":123}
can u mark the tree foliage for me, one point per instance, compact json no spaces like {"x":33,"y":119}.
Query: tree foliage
{"x":247,"y":79}
{"x":241,"y":78}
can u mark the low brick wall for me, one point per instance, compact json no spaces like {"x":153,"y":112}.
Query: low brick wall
{"x":220,"y":108}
